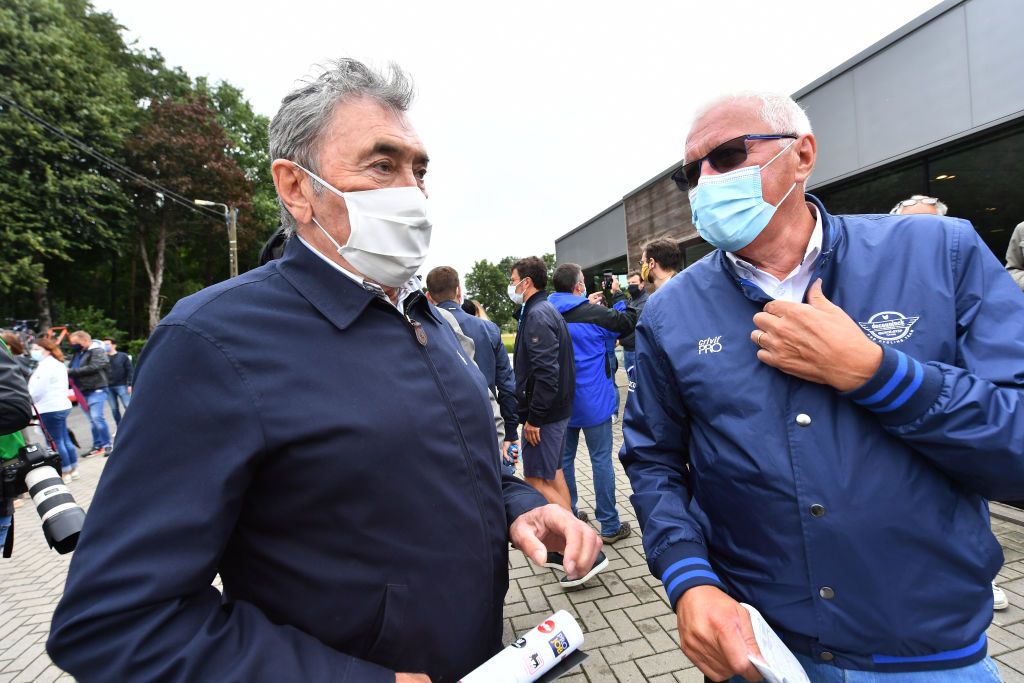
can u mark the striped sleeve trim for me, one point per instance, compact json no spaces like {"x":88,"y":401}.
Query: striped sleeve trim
{"x":680,"y":573}
{"x":901,"y":390}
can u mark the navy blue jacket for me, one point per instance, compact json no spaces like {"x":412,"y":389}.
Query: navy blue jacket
{"x":545,"y":371}
{"x":857,"y":523}
{"x":492,"y":359}
{"x":591,"y":328}
{"x":290,"y":434}
{"x":121,"y":370}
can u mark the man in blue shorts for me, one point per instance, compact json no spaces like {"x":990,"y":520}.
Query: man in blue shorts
{"x":545,"y":388}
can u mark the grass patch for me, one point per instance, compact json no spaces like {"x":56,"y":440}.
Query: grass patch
{"x":509,"y":339}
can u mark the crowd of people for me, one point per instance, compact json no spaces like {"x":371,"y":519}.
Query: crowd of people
{"x":93,"y":375}
{"x":817,"y":415}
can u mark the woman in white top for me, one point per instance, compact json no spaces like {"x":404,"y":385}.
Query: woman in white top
{"x":49,"y":388}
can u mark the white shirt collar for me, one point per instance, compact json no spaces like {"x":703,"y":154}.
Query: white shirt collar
{"x":402,"y":293}
{"x":794,"y":285}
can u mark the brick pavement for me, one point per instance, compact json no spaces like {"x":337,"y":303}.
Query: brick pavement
{"x":630,"y":630}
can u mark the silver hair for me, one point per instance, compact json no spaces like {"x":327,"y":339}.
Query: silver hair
{"x":779,"y":112}
{"x":306,"y":112}
{"x":922,"y":198}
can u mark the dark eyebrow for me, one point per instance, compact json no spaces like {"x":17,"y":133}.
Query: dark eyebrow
{"x":388,"y":149}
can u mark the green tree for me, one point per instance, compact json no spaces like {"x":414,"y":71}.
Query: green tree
{"x":488,"y":283}
{"x":184,"y":148}
{"x":250,"y":149}
{"x":59,"y":60}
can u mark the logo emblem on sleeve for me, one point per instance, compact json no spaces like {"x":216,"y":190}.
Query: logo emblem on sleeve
{"x":889,"y":327}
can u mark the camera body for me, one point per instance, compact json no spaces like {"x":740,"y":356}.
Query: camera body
{"x":37,"y":470}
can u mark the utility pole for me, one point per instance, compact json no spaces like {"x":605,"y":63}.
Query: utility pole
{"x":233,"y":241}
{"x":231,"y":218}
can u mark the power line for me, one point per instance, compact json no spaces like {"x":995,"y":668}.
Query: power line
{"x":110,"y":163}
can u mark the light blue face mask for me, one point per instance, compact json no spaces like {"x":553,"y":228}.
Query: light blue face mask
{"x":729,"y":210}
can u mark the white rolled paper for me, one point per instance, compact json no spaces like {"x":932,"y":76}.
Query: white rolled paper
{"x":533,"y":655}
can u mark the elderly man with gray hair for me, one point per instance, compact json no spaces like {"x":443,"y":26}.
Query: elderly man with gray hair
{"x":312,"y":433}
{"x":822,"y":407}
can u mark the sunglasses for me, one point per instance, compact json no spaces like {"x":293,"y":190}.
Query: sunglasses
{"x":728,"y":156}
{"x":910,"y":202}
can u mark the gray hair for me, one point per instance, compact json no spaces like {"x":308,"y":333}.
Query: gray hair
{"x":306,"y":112}
{"x":779,"y":112}
{"x":919,"y":199}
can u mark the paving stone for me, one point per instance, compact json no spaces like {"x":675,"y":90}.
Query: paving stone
{"x":665,"y":662}
{"x":629,"y":629}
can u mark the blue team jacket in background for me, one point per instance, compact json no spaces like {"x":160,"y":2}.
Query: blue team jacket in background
{"x":857,"y":524}
{"x":594,"y":401}
{"x":290,"y":433}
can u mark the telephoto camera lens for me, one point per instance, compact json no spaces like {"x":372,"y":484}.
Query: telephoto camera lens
{"x":61,"y":515}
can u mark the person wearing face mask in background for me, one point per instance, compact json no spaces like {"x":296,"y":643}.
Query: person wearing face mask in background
{"x":49,"y":388}
{"x":90,"y":368}
{"x":636,"y":285}
{"x":659,"y":263}
{"x":348,"y":495}
{"x":821,"y":408}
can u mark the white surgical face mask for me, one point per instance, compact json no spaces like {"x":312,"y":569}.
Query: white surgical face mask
{"x":516,"y":297}
{"x":390,"y":231}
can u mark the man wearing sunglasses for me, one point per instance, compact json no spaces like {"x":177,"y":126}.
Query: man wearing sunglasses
{"x":821,"y":410}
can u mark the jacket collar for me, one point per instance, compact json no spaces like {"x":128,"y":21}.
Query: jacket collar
{"x":450,"y":305}
{"x":338,"y":298}
{"x":831,"y":240}
{"x":535,"y":299}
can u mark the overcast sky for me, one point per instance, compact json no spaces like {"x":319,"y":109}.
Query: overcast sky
{"x":537,"y":115}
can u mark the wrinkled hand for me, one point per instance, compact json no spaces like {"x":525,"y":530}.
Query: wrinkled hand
{"x":816,"y":341}
{"x":531,"y":434}
{"x":715,"y":633}
{"x":596,"y":298}
{"x":412,"y":678}
{"x":552,"y":527}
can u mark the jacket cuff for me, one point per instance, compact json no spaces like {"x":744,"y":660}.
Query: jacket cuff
{"x":511,"y":432}
{"x":683,"y":566}
{"x":901,"y":390}
{"x":518,"y":504}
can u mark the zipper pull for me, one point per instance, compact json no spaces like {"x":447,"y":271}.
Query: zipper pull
{"x":421,"y":334}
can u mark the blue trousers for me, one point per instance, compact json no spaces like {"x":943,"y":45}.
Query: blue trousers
{"x":984,"y":671}
{"x":100,"y":432}
{"x":629,"y":361}
{"x":115,"y":392}
{"x":56,"y":423}
{"x":599,"y":443}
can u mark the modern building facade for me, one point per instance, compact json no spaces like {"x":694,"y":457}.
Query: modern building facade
{"x":935,"y":108}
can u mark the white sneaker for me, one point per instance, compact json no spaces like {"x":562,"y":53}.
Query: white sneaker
{"x":66,"y":478}
{"x":999,"y":600}
{"x":75,"y":475}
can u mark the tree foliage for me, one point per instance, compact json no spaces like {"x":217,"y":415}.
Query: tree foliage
{"x":70,"y":225}
{"x":60,"y":60}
